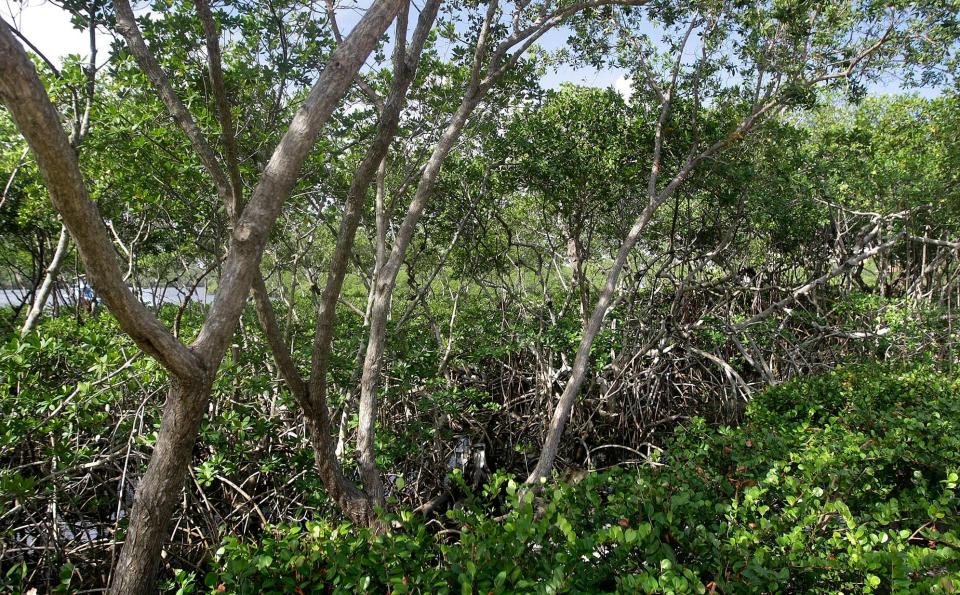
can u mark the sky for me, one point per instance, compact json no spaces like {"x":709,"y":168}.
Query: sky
{"x":591,"y":77}
{"x":49,"y":28}
{"x":43,"y":24}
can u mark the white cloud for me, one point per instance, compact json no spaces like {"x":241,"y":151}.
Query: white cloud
{"x":624,"y":87}
{"x":48,"y":27}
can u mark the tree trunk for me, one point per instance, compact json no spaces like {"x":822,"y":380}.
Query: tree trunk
{"x":192,"y":368}
{"x":576,"y":259}
{"x":49,"y":282}
{"x":355,"y":504}
{"x":383,"y":295}
{"x":158,"y":492}
{"x":561,"y":414}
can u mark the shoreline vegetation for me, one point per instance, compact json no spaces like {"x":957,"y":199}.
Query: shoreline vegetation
{"x":332,"y":298}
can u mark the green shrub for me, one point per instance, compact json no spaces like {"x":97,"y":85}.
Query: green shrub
{"x":844,"y":482}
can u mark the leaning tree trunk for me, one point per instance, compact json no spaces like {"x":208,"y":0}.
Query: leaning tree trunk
{"x":49,"y":282}
{"x":159,"y":490}
{"x":191,"y":369}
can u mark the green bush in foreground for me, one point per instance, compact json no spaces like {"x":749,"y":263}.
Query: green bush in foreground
{"x":845,"y":482}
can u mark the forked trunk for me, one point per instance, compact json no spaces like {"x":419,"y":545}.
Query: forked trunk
{"x":353,"y":502}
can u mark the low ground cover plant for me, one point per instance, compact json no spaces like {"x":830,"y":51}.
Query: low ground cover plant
{"x":841,"y":482}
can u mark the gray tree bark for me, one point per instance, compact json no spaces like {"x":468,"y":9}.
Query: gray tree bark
{"x":406,"y":62}
{"x":49,"y":282}
{"x":158,"y":491}
{"x":490,"y":63}
{"x":768,"y":100}
{"x":192,"y":370}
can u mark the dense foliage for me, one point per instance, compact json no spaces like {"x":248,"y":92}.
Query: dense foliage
{"x":847,"y":481}
{"x":843,"y":481}
{"x":307,"y":297}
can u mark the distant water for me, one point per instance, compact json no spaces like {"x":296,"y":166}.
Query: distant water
{"x":163,"y":295}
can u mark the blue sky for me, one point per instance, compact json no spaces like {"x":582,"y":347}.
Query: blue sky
{"x":50,"y":29}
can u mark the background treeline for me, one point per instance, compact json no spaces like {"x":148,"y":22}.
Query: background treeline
{"x":465,"y":257}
